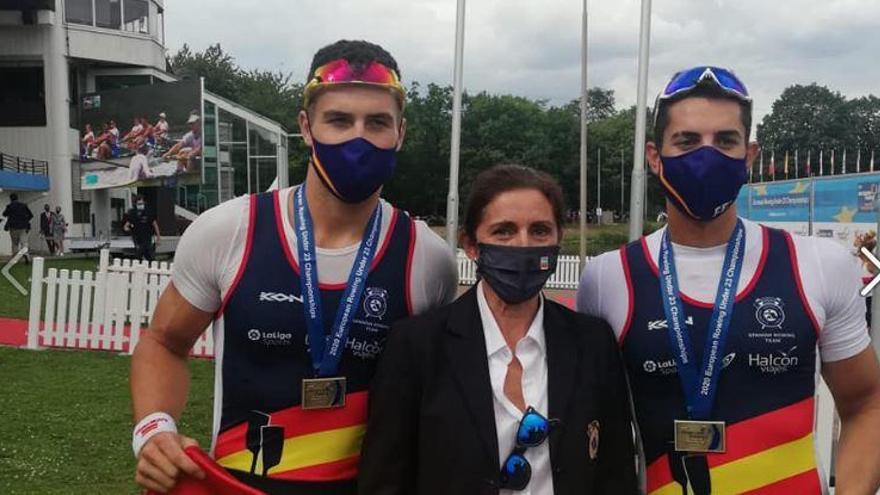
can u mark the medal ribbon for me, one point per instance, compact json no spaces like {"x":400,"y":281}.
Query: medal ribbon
{"x":700,"y":385}
{"x":326,"y":364}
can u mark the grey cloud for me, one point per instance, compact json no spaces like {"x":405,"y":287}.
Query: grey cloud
{"x":533,"y":48}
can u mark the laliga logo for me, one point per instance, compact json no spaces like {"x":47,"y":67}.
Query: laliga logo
{"x":769,"y":313}
{"x":253,"y":334}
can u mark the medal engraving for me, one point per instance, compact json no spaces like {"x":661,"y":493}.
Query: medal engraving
{"x":700,"y":436}
{"x":323,"y":393}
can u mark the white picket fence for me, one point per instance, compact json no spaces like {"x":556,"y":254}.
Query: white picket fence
{"x":103,"y":310}
{"x":567,"y":275}
{"x":108,"y":309}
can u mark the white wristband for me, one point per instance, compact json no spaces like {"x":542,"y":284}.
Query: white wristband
{"x":152,"y":424}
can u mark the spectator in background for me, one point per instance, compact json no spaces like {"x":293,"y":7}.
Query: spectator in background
{"x":46,"y":228}
{"x":160,"y":130}
{"x":142,"y":225}
{"x":137,"y":128}
{"x":108,"y":142}
{"x":87,"y":144}
{"x":59,"y":229}
{"x":139,"y":166}
{"x":189,"y":146}
{"x":18,"y":223}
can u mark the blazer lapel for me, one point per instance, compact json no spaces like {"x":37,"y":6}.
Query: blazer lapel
{"x":466,"y":348}
{"x":562,"y":364}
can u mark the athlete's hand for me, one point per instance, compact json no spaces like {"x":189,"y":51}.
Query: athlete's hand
{"x":162,"y":462}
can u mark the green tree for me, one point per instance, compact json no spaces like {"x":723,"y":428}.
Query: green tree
{"x":421,"y":182}
{"x":222,"y":75}
{"x":865,"y":112}
{"x":807,"y":117}
{"x":601,"y":104}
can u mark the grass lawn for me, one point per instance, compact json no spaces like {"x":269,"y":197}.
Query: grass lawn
{"x":65,"y":421}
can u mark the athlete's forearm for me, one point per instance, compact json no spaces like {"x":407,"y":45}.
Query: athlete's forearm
{"x":858,"y":469}
{"x":159,"y":379}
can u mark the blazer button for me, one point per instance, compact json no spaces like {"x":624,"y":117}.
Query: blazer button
{"x":558,"y":469}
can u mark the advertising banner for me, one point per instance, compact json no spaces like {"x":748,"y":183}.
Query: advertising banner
{"x":146,"y":135}
{"x":840,"y":208}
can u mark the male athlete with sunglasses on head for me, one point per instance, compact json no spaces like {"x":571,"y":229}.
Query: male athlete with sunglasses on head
{"x":724,"y":323}
{"x":302,"y":285}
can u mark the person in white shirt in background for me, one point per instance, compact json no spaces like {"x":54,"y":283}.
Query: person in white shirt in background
{"x":160,"y":130}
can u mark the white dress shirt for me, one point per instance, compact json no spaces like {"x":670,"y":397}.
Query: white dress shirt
{"x":531,"y":351}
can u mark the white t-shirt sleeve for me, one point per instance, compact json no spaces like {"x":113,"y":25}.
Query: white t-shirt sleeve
{"x":835,"y":282}
{"x":434,"y":277}
{"x":603,"y":292}
{"x":209,"y":254}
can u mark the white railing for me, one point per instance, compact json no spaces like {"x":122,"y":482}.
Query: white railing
{"x":567,"y":275}
{"x":108,"y":309}
{"x":104,"y":310}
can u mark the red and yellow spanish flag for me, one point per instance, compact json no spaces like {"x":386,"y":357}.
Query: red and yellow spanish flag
{"x":319,"y":444}
{"x":768,"y":454}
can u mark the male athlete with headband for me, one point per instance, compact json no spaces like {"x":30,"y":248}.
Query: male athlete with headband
{"x":724,"y":323}
{"x":301,"y":285}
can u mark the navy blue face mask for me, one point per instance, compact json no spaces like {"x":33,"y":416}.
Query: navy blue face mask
{"x":353,"y":170}
{"x":516,"y":273}
{"x":702,"y":183}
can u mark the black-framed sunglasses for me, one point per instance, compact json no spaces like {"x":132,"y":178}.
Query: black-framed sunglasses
{"x":534,"y":428}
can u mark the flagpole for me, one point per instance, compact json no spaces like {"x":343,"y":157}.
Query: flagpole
{"x":821,"y":163}
{"x":638,"y":191}
{"x":772,"y":164}
{"x":843,"y":165}
{"x":598,"y":183}
{"x":583,"y":150}
{"x":751,"y":171}
{"x":452,"y":198}
{"x":785,"y":167}
{"x":872,"y":159}
{"x":809,"y":164}
{"x":859,"y":160}
{"x":761,"y":167}
{"x":796,"y":173}
{"x":622,"y":186}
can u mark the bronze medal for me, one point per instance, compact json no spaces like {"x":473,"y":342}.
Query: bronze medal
{"x":700,"y":436}
{"x":323,"y":393}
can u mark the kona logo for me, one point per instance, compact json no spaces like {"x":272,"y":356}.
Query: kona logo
{"x":279,"y":297}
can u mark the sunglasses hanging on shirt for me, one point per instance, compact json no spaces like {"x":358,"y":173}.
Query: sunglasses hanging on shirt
{"x":533,"y":430}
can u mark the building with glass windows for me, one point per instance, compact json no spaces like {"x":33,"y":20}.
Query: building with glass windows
{"x":68,"y":63}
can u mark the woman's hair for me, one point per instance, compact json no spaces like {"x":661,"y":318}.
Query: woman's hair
{"x":503,"y":178}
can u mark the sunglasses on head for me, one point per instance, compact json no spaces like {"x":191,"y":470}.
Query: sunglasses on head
{"x":534,"y":428}
{"x":342,"y":72}
{"x":685,"y":81}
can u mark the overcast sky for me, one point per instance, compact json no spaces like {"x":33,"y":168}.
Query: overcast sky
{"x":532,"y":47}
